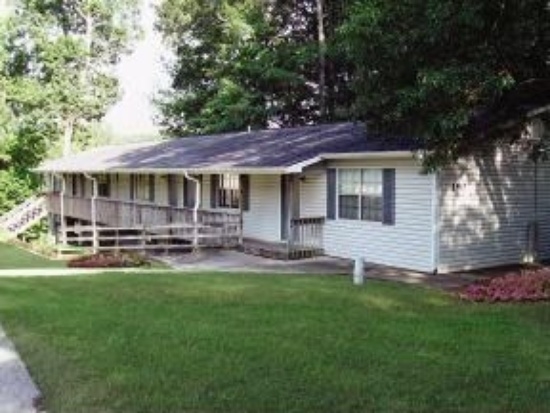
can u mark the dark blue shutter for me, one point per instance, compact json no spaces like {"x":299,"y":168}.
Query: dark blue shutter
{"x":152,"y":188}
{"x":245,"y":191}
{"x":214,"y":184}
{"x":186,"y":188}
{"x":388,"y":191}
{"x":132,"y":187}
{"x":82,"y":185}
{"x":331,"y":193}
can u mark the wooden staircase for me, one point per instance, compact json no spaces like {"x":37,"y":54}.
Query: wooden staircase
{"x":23,"y":216}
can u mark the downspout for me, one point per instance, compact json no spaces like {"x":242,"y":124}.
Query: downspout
{"x":62,"y":207}
{"x":534,"y":241}
{"x":241,"y":213}
{"x":195,"y":208}
{"x":436,"y":222}
{"x":95,"y":243}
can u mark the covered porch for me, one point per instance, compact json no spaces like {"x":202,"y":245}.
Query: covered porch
{"x":260,"y":214}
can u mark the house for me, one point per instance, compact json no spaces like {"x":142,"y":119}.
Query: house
{"x":332,"y":187}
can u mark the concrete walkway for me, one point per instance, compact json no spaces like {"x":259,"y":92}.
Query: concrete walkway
{"x":69,"y":272}
{"x":18,"y":393}
{"x":234,"y":261}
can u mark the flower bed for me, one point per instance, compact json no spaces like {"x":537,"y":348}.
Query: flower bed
{"x":103,"y":260}
{"x":530,"y":285}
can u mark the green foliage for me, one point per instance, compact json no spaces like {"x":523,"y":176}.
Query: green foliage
{"x":248,"y":63}
{"x":57,"y":80}
{"x":428,"y":68}
{"x":16,"y":187}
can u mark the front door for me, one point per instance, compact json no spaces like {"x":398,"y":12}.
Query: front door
{"x":290,"y":203}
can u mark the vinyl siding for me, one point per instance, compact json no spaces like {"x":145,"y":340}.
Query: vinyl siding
{"x":486,"y":207}
{"x":263,"y":219}
{"x":313,"y":193}
{"x":407,"y":244}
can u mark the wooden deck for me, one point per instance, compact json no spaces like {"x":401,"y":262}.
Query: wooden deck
{"x":124,"y":224}
{"x":131,"y":225}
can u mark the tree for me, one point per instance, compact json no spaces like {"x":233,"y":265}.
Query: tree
{"x":448,"y":72}
{"x":250,"y":63}
{"x":57,"y":61}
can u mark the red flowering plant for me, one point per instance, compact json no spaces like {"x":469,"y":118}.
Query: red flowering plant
{"x":529,"y":285}
{"x":105,"y":260}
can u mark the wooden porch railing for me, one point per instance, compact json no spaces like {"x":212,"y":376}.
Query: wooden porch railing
{"x":157,"y":237}
{"x":122,"y":213}
{"x":130,"y":215}
{"x":306,"y":234}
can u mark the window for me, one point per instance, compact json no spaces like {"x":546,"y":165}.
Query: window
{"x":104,"y":186}
{"x":371,"y":195}
{"x":349,"y":189}
{"x":360,"y":194}
{"x":142,"y":187}
{"x":228,"y":191}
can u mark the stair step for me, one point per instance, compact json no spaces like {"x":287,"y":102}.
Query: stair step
{"x":279,"y":253}
{"x":23,"y":216}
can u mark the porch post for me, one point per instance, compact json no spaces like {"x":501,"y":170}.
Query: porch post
{"x":241,"y":213}
{"x":62,"y":207}
{"x":195,"y":209}
{"x":95,"y":243}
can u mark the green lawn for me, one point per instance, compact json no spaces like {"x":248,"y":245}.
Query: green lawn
{"x":12,"y":257}
{"x":258,"y":343}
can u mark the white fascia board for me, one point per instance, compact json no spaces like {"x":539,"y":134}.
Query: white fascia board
{"x":163,"y":171}
{"x":299,"y":167}
{"x":368,"y":155}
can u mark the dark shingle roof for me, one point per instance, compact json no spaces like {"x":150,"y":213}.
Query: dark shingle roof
{"x":275,"y":149}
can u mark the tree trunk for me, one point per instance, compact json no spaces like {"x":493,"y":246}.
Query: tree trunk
{"x":88,"y":40}
{"x":68,"y":136}
{"x":321,"y":38}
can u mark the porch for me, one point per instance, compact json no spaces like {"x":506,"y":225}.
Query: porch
{"x":114,"y":224}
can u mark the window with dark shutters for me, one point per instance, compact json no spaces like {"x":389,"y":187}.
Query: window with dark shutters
{"x":366,"y":194}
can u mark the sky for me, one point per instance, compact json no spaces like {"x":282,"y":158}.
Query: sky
{"x":141,"y":74}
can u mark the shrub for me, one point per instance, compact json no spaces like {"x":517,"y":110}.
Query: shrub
{"x":107,"y":260}
{"x":531,"y":285}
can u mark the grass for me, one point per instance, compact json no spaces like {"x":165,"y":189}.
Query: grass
{"x":12,"y":257}
{"x":250,"y":343}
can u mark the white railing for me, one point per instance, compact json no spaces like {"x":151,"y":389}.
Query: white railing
{"x":306,"y":234}
{"x":122,"y":213}
{"x":163,"y":237}
{"x":146,"y":220}
{"x":23,"y":216}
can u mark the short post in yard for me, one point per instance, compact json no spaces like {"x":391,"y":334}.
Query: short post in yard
{"x":359,"y":271}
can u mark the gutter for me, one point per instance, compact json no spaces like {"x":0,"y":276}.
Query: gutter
{"x":295,"y":168}
{"x":95,"y":243}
